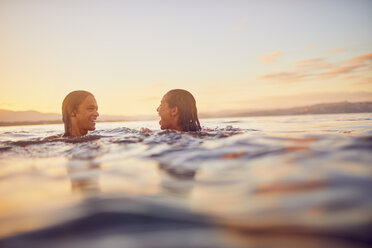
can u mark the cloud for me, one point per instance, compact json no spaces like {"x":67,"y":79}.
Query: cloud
{"x":361,"y":59}
{"x":339,"y":50}
{"x":271,"y":57}
{"x":343,"y":70}
{"x":319,"y":68}
{"x":309,"y":61}
{"x":311,"y":47}
{"x":351,"y":65}
{"x":314,"y":64}
{"x":283,"y":76}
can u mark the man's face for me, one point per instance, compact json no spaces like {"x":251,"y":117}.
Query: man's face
{"x":164,"y":112}
{"x":87,"y":114}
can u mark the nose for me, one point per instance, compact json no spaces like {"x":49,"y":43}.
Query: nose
{"x":157,"y":109}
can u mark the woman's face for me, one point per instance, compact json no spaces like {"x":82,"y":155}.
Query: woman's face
{"x":87,"y":114}
{"x":165,"y":114}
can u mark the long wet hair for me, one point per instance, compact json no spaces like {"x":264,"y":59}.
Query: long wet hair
{"x":71,"y":103}
{"x":186,"y":104}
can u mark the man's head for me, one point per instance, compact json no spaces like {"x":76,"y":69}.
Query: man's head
{"x":178,"y":111}
{"x":79,"y":113}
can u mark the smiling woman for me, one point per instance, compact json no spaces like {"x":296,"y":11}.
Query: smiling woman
{"x":178,"y":111}
{"x":79,"y":114}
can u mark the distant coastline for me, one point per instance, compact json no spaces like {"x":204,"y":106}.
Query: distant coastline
{"x":27,"y":123}
{"x":13,"y":118}
{"x":321,"y":108}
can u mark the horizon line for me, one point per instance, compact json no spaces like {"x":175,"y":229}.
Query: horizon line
{"x":204,"y":112}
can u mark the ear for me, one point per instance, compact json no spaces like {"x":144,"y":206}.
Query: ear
{"x":174,"y":111}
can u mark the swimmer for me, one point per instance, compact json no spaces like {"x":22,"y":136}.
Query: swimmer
{"x":79,"y":114}
{"x":178,"y":111}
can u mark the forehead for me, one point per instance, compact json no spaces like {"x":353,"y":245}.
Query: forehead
{"x":89,"y":101}
{"x":164,"y":102}
{"x":165,"y":99}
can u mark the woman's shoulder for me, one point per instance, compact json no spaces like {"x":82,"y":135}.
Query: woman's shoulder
{"x":53,"y":137}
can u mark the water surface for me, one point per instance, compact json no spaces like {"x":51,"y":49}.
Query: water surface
{"x":284,"y":181}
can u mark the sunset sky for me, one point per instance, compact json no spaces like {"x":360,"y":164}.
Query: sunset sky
{"x":231,"y":55}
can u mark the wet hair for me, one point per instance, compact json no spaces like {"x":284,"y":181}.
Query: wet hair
{"x":71,"y":103}
{"x":186,"y":104}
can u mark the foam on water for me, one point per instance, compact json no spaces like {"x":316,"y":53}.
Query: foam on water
{"x":305,"y":177}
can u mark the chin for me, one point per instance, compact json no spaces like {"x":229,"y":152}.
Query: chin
{"x":161,"y":125}
{"x":91,"y":128}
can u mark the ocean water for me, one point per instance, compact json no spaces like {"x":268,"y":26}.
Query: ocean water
{"x":289,"y":181}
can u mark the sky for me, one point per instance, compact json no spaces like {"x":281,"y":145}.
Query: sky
{"x":231,"y":55}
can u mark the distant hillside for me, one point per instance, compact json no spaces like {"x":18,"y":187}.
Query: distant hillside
{"x":27,"y":116}
{"x":322,"y":108}
{"x":8,"y":117}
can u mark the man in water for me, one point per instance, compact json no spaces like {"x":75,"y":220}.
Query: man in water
{"x":79,"y":114}
{"x":178,"y":111}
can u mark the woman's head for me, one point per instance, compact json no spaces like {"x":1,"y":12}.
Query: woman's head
{"x":178,"y":111}
{"x":79,"y":113}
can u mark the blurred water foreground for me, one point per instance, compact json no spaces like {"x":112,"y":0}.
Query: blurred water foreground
{"x":289,"y":181}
